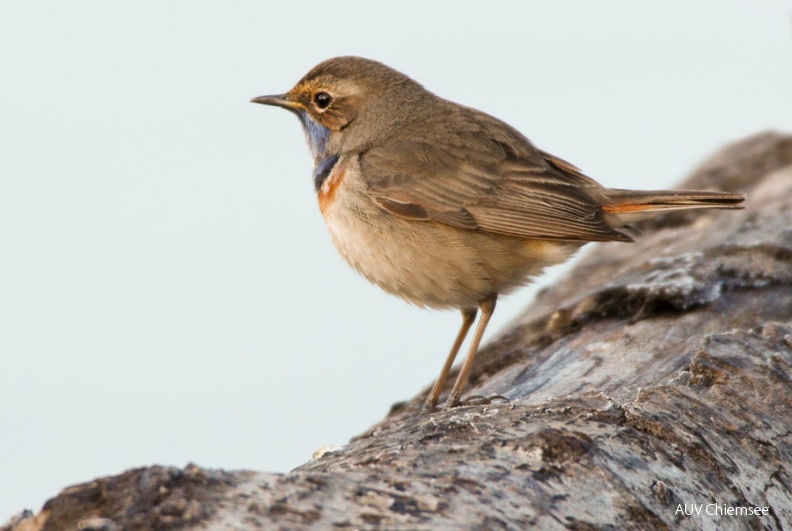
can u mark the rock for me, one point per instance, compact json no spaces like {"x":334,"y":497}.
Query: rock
{"x":650,"y":387}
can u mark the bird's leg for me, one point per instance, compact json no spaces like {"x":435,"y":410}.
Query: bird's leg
{"x":468,"y":316}
{"x":487,"y":309}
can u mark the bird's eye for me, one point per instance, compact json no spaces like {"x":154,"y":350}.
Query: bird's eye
{"x":323,"y":99}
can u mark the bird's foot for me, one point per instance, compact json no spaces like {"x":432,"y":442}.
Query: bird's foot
{"x":477,"y":400}
{"x":429,"y":407}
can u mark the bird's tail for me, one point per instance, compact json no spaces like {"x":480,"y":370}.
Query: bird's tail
{"x":622,"y":207}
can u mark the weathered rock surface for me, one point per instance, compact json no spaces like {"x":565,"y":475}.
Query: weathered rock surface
{"x":655,"y":375}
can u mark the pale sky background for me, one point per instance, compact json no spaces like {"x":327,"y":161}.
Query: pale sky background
{"x":168,"y":292}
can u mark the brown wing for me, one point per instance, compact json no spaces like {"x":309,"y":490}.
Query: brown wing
{"x":475,"y":181}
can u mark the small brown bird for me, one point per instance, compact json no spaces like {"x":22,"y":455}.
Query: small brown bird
{"x":446,"y":206}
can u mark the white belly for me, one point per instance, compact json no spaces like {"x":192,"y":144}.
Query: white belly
{"x":427,"y":263}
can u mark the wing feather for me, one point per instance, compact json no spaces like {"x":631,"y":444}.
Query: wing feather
{"x":475,"y":179}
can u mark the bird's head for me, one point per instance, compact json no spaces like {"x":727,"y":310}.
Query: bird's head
{"x":349,"y":103}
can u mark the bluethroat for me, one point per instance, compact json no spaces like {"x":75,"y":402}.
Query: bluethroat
{"x":446,"y":206}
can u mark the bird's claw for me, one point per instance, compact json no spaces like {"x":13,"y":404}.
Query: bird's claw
{"x":481,"y":400}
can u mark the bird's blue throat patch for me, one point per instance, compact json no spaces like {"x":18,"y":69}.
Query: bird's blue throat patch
{"x":322,"y":170}
{"x":317,"y":136}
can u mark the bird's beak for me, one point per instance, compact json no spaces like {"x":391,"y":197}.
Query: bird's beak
{"x":279,"y":100}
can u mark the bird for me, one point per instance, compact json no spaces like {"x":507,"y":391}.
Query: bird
{"x":446,"y":206}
